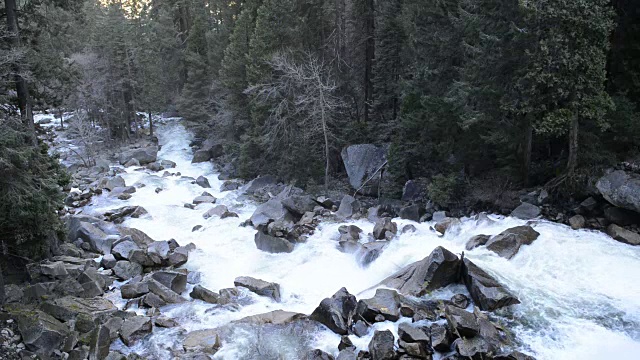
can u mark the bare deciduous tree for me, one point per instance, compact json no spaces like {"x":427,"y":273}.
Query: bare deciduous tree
{"x":303,"y":103}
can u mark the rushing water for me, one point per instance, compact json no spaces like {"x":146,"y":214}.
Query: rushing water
{"x":580,"y":290}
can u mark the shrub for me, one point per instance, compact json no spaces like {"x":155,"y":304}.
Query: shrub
{"x":30,"y":193}
{"x":443,"y":190}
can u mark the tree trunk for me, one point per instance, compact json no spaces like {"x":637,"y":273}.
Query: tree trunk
{"x":61,"y":113}
{"x":370,"y":52}
{"x":150,"y":125}
{"x":22,"y":89}
{"x":526,"y":149}
{"x":326,"y":137}
{"x":573,"y":145}
{"x":1,"y":288}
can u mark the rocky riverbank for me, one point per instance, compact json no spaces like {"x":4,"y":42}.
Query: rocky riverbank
{"x":111,"y":288}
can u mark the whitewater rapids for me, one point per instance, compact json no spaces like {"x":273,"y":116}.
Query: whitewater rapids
{"x":580,"y":290}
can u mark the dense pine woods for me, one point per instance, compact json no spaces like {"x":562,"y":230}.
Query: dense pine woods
{"x":463,"y":91}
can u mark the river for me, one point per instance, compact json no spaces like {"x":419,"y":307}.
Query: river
{"x":580,"y":290}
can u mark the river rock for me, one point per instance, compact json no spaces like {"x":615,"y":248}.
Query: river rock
{"x":125,"y":270}
{"x":166,"y":294}
{"x":272,"y":210}
{"x":317,"y":354}
{"x":121,"y":249}
{"x":69,"y":307}
{"x":623,"y":235}
{"x":174,"y":280}
{"x":363,"y":163}
{"x":158,"y":251}
{"x":461,"y":321}
{"x":348,"y":207}
{"x":217,"y":210}
{"x":384,"y":229}
{"x":206,"y":295}
{"x":476,"y":241}
{"x":85,"y":228}
{"x":135,"y":328}
{"x":93,"y":283}
{"x":139,"y":237}
{"x":134,"y":290}
{"x":201,"y":156}
{"x":349,"y":232}
{"x":412,"y":191}
{"x":298,"y":205}
{"x":577,"y":222}
{"x":526,"y":211}
{"x":440,"y":338}
{"x":206,"y":199}
{"x":621,"y":189}
{"x":108,"y":261}
{"x":229,"y":185}
{"x":276,"y":317}
{"x":386,"y":302}
{"x":411,"y":212}
{"x":381,"y":346}
{"x":203,"y":182}
{"x":41,"y":333}
{"x":207,"y":341}
{"x":259,"y":287}
{"x":367,"y":253}
{"x":472,"y":347}
{"x":273,"y":244}
{"x":446,"y":224}
{"x":261,"y":183}
{"x":485,"y":291}
{"x":144,"y":155}
{"x":179,"y":256}
{"x":508,"y":243}
{"x":620,"y":216}
{"x":347,"y":354}
{"x":99,"y":343}
{"x":438,"y":270}
{"x":336,"y":312}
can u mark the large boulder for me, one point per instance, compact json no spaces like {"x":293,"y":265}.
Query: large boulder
{"x":276,"y":317}
{"x":114,"y":182}
{"x":272,"y":210}
{"x":174,"y":280}
{"x":135,"y":328}
{"x":272,"y":244}
{"x":144,"y":155}
{"x":485,"y":291}
{"x":364,"y":162}
{"x":207,"y":341}
{"x":87,"y":229}
{"x":125,"y":270}
{"x":381,"y":346}
{"x":259,"y":287}
{"x":348,"y":207}
{"x":206,"y":295}
{"x":138,"y":236}
{"x":68,"y":308}
{"x":622,"y":189}
{"x":526,"y":211}
{"x":461,"y":321}
{"x":508,"y":243}
{"x":261,"y":183}
{"x":440,"y":269}
{"x":201,"y":156}
{"x":384,"y":229}
{"x":203,"y":182}
{"x":336,"y":312}
{"x":41,"y":333}
{"x":623,"y":235}
{"x":299,"y":204}
{"x":385,"y":303}
{"x":123,"y":248}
